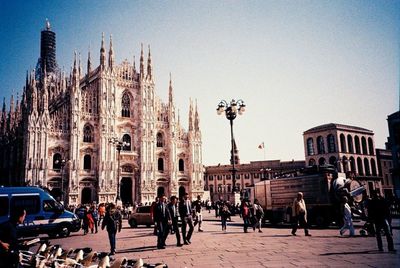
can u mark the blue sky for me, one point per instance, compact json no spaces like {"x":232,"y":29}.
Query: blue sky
{"x":296,"y":64}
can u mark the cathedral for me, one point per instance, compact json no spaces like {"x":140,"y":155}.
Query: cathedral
{"x":98,"y":136}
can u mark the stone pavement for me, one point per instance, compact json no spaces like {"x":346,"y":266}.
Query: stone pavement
{"x":275,"y":247}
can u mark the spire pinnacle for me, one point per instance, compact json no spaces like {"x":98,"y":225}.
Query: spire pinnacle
{"x":149,"y":66}
{"x":89,"y":62}
{"x":47,"y":26}
{"x":141,"y":62}
{"x":170,"y":90}
{"x":111,"y":54}
{"x":102,"y":52}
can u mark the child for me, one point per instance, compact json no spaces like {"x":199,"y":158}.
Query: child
{"x":224,"y":214}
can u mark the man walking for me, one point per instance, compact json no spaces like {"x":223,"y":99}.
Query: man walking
{"x":173,"y":211}
{"x":378,"y":212}
{"x":258,"y":215}
{"x":348,"y":223}
{"x":300,"y":214}
{"x":163,"y":219}
{"x":246,"y":214}
{"x":197,"y":210}
{"x":9,"y":245}
{"x":185,"y":210}
{"x":113,"y":221}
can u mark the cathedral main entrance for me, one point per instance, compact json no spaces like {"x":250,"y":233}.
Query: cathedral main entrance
{"x":126,"y":190}
{"x":86,"y":197}
{"x":182,"y":191}
{"x":160,"y":191}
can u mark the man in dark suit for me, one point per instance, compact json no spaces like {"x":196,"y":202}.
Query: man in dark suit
{"x":162,"y":217}
{"x":173,"y":211}
{"x":185,"y":210}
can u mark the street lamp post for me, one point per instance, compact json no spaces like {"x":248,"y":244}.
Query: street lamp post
{"x":231,"y":110}
{"x":118,"y":145}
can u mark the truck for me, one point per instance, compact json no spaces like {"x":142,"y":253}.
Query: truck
{"x":322,"y":188}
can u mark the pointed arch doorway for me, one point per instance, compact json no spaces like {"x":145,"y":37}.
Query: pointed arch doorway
{"x":160,"y":191}
{"x":181,"y":191}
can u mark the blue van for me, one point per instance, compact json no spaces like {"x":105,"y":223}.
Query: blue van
{"x":44,"y":215}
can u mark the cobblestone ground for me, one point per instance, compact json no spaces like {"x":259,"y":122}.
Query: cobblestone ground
{"x":274,"y":247}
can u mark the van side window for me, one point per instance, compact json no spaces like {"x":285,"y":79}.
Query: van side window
{"x":3,"y":206}
{"x":31,"y":203}
{"x":49,"y":205}
{"x":145,"y":209}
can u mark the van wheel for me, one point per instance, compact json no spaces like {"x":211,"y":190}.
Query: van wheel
{"x":133,"y":223}
{"x":64,"y":231}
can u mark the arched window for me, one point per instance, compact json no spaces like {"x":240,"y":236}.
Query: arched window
{"x":360,"y":166}
{"x":321,"y":161}
{"x":126,"y":105}
{"x":371,"y":146}
{"x":320,"y":145}
{"x":343,"y":143}
{"x":311,"y":162}
{"x":332,"y":160}
{"x":88,"y":133}
{"x":127,"y":144}
{"x":357,"y":143}
{"x":352,"y":164}
{"x":350,"y":143}
{"x":373,"y":167}
{"x":181,"y":165}
{"x":160,"y":164}
{"x":211,"y":189}
{"x":160,"y":140}
{"x":57,"y":161}
{"x":87,"y":162}
{"x":364,"y":145}
{"x":310,"y":146}
{"x":331,"y":144}
{"x":366,"y":166}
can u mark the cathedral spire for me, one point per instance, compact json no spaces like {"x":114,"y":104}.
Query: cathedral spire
{"x":134,"y":64}
{"x":170,"y":91}
{"x":191,"y":116}
{"x":111,"y":55}
{"x":141,"y":62}
{"x":149,"y":67}
{"x":11,"y":104}
{"x":80,"y":65}
{"x":89,"y":63}
{"x":102,"y":52}
{"x":196,"y":119}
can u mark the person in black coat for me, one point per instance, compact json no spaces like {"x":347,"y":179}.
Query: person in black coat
{"x":173,"y":210}
{"x":186,"y":211}
{"x":9,"y":245}
{"x":162,"y":217}
{"x":113,"y":223}
{"x":378,"y":213}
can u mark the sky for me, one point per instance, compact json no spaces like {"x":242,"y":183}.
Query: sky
{"x":295,"y":64}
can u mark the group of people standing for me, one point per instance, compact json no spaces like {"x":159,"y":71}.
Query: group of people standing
{"x":166,"y":216}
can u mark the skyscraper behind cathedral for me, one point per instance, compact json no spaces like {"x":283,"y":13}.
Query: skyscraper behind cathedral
{"x":83,"y":134}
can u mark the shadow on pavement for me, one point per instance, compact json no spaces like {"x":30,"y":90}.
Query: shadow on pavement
{"x":351,"y":253}
{"x":139,"y":249}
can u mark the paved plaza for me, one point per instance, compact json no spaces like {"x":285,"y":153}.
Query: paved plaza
{"x":274,"y":247}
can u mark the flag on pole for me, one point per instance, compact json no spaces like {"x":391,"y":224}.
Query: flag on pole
{"x":261,"y":146}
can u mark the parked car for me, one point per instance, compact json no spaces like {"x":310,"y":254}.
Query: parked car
{"x":44,"y":215}
{"x":141,"y":216}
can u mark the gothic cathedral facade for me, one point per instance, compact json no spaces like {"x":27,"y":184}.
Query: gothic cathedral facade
{"x":101,"y":135}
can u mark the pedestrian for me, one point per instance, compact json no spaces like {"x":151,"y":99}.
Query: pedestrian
{"x":185,"y":210}
{"x":95,"y":217}
{"x":378,"y":213}
{"x":85,"y":221}
{"x":348,"y":222}
{"x":152,"y":208}
{"x":258,"y":214}
{"x":163,"y":219}
{"x":9,"y":245}
{"x":224,"y":214}
{"x":246,"y":214}
{"x":300,"y":214}
{"x":173,"y":211}
{"x":113,"y":221}
{"x":198,"y":214}
{"x":209,"y":204}
{"x":102,"y":212}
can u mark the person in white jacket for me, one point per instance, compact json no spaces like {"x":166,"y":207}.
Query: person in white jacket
{"x":348,"y":223}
